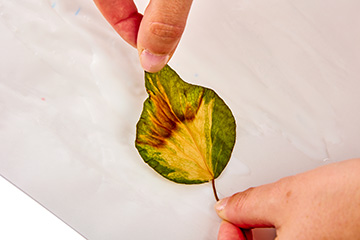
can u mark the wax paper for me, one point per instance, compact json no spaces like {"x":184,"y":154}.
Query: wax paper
{"x":71,"y":93}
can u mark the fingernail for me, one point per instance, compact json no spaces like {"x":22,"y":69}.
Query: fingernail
{"x":152,"y":62}
{"x":220,"y":205}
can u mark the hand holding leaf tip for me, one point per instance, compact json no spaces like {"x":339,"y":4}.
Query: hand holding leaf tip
{"x":186,"y":133}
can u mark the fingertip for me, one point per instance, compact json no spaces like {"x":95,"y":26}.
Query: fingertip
{"x":123,"y":16}
{"x":220,"y":206}
{"x":247,"y":209}
{"x":153,"y":62}
{"x":160,"y":32}
{"x":128,"y":28}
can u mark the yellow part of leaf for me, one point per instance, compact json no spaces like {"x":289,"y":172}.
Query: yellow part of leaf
{"x":177,"y":127}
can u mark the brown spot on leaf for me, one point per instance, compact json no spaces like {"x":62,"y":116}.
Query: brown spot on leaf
{"x":163,"y":118}
{"x":163,"y":121}
{"x":152,"y":141}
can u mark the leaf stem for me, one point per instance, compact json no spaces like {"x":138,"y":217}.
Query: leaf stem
{"x":244,"y":231}
{"x":214,"y":189}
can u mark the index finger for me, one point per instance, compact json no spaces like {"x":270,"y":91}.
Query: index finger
{"x":230,"y":231}
{"x":123,"y":17}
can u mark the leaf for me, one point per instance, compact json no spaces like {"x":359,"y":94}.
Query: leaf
{"x":186,"y":132}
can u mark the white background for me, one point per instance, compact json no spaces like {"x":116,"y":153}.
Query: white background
{"x":23,"y":218}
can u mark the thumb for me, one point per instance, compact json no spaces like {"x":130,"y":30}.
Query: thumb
{"x":160,"y":32}
{"x":253,"y":208}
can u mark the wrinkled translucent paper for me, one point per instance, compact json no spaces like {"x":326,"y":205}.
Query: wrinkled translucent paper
{"x":71,"y":92}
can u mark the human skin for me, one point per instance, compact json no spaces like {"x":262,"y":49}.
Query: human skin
{"x":323,"y":203}
{"x":320,"y":204}
{"x":155,"y":34}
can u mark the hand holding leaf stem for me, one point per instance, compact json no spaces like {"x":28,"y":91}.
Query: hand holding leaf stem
{"x":155,"y":34}
{"x":320,"y":204}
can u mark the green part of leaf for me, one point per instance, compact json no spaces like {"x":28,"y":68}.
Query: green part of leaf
{"x":186,"y":132}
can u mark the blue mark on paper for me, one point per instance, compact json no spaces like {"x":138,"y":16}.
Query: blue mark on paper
{"x":53,"y":4}
{"x":77,"y":12}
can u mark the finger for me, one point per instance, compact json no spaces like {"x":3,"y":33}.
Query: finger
{"x":160,"y":32}
{"x":123,"y":17}
{"x":229,"y":231}
{"x":255,"y":207}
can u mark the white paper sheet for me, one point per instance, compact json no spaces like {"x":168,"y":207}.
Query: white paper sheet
{"x":23,"y":218}
{"x":71,"y":92}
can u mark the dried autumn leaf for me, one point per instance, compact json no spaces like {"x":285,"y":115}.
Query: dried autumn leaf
{"x":186,"y":132}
